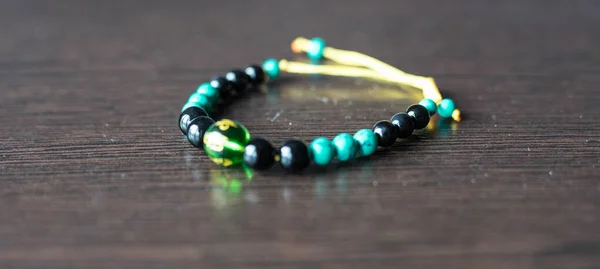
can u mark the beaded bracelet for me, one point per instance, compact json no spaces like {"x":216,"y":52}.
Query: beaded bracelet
{"x":228,"y":142}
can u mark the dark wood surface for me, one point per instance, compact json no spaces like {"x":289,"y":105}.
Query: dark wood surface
{"x":94,"y":172}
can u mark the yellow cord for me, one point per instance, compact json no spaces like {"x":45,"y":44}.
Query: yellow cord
{"x":355,"y":64}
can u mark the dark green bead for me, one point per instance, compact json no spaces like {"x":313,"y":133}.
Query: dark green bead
{"x":224,"y":142}
{"x":209,"y":91}
{"x":202,"y":101}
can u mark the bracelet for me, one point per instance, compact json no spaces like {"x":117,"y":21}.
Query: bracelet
{"x":229,"y":143}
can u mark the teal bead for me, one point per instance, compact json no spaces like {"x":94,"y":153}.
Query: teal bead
{"x":201,"y":100}
{"x":271,"y":67}
{"x":367,"y":141}
{"x":446,"y":108}
{"x":430,"y":105}
{"x":345,"y":146}
{"x":315,"y":49}
{"x":187,"y":105}
{"x":209,"y":91}
{"x":321,"y":151}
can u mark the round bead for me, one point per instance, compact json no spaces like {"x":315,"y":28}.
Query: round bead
{"x":386,"y":133}
{"x":187,"y":115}
{"x":188,"y":105}
{"x":345,"y":146}
{"x":223,"y":86}
{"x":256,"y":74}
{"x":207,"y":90}
{"x":271,"y":67}
{"x":367,"y":141}
{"x":419,"y":115}
{"x":315,"y":48}
{"x":239,"y":79}
{"x":201,"y":100}
{"x":259,"y":154}
{"x":446,"y":108}
{"x":197,"y":129}
{"x":321,"y":151}
{"x":293,"y":156}
{"x":224,"y":142}
{"x":430,"y":105}
{"x":404,"y":125}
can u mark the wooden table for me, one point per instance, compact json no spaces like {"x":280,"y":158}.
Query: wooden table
{"x":94,"y":172}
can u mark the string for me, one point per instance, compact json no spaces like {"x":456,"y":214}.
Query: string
{"x":356,"y":64}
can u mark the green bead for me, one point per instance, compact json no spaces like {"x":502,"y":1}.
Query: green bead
{"x":315,"y":49}
{"x":271,"y":67}
{"x":224,"y":142}
{"x":367,"y":141}
{"x":345,"y":147}
{"x":188,"y":104}
{"x":321,"y":151}
{"x":209,"y":91}
{"x":201,"y":100}
{"x":446,"y":108}
{"x":430,"y":105}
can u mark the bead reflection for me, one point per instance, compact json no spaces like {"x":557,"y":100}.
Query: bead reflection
{"x":231,"y":186}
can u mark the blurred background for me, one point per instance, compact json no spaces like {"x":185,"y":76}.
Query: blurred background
{"x":94,"y":172}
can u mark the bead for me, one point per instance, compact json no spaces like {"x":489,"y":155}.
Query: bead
{"x":345,"y":146}
{"x":386,"y":133}
{"x":201,"y":101}
{"x":367,"y":141}
{"x":446,"y":108}
{"x":321,"y":151}
{"x":188,"y":104}
{"x":223,"y":86}
{"x":259,"y":154}
{"x":293,"y":156}
{"x":239,"y":79}
{"x":224,"y":142}
{"x":209,"y":91}
{"x":197,"y":129}
{"x":271,"y":67}
{"x":187,"y":115}
{"x":404,"y":125}
{"x":430,"y":105}
{"x":315,"y":48}
{"x":256,"y":74}
{"x":419,"y":115}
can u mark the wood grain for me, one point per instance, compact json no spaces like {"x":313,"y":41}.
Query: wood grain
{"x":95,"y":174}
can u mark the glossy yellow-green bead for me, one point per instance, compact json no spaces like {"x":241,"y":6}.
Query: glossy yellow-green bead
{"x":224,"y":142}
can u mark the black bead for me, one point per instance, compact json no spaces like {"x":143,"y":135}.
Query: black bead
{"x":386,"y":132}
{"x":239,"y":79}
{"x":188,"y":115}
{"x":294,"y":156}
{"x":196,"y":130}
{"x":419,"y":114}
{"x":257,"y":75}
{"x":259,"y":154}
{"x":224,"y":86}
{"x":404,"y":125}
